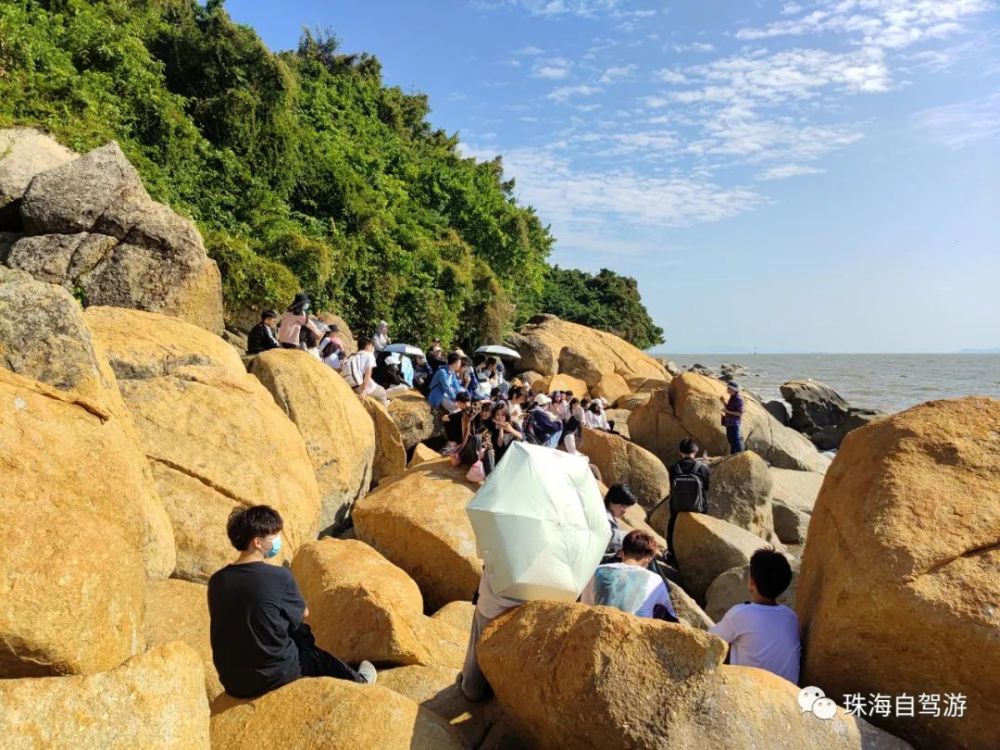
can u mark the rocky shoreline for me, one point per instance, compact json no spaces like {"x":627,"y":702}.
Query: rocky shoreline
{"x":130,"y":427}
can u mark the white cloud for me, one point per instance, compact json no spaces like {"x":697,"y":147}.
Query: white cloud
{"x":790,"y":9}
{"x":529,"y":51}
{"x":618,"y":73}
{"x":647,"y":142}
{"x":553,"y":69}
{"x":694,"y":47}
{"x":584,"y":8}
{"x":668,"y":75}
{"x":788,"y":170}
{"x":963,"y":123}
{"x":563,"y":94}
{"x":655,"y":102}
{"x":889,"y":24}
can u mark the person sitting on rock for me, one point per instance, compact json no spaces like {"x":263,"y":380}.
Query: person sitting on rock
{"x":435,"y":357}
{"x":259,"y":639}
{"x":293,"y":320}
{"x":689,"y":483}
{"x":617,"y":501}
{"x":762,"y":633}
{"x":389,"y":374}
{"x":381,"y":336}
{"x":540,"y":425}
{"x":732,"y":417}
{"x":262,"y":336}
{"x":515,"y":405}
{"x":422,"y":374}
{"x":455,"y":424}
{"x":445,"y":384}
{"x":359,"y":371}
{"x":628,"y":584}
{"x":331,"y":351}
{"x":489,"y":606}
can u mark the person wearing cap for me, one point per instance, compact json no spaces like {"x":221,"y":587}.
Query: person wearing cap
{"x":262,"y":336}
{"x":436,"y":358}
{"x":294,"y":320}
{"x":422,"y":373}
{"x":388,"y":373}
{"x":541,"y":424}
{"x":381,"y":338}
{"x":732,"y":416}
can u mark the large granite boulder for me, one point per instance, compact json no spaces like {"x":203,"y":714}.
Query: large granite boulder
{"x":339,"y":434}
{"x":323,"y":713}
{"x":95,"y":229}
{"x":71,"y":571}
{"x":815,"y":405}
{"x":418,"y":522}
{"x":24,"y":152}
{"x":414,"y":417}
{"x":695,"y":399}
{"x":899,"y":585}
{"x":793,"y":497}
{"x":178,"y":611}
{"x":731,"y":588}
{"x":561,"y":382}
{"x":361,"y":606}
{"x":156,"y":699}
{"x":213,"y":434}
{"x":830,"y":438}
{"x":578,"y":365}
{"x":572,"y":676}
{"x":741,"y":492}
{"x":611,"y":388}
{"x":390,"y":453}
{"x":654,"y":426}
{"x":44,"y":337}
{"x":623,"y":462}
{"x":707,"y":547}
{"x":541,"y":344}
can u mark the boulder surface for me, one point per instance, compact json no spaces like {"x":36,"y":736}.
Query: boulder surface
{"x":390,"y":454}
{"x":908,"y":603}
{"x":621,"y":461}
{"x":24,"y":152}
{"x":707,"y":546}
{"x":741,"y":492}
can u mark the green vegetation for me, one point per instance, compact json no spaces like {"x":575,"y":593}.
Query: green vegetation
{"x":301,"y":168}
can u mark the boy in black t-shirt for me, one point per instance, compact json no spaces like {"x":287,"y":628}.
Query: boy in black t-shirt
{"x":259,"y":639}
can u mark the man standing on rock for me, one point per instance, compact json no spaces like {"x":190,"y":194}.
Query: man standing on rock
{"x":732,"y":417}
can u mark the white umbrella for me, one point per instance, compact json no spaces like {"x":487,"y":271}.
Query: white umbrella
{"x":407,"y":349}
{"x":500,"y":351}
{"x":540,"y":524}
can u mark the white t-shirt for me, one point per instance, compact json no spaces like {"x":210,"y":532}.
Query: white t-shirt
{"x":361,"y":363}
{"x":489,"y":604}
{"x":764,"y":636}
{"x":628,"y":588}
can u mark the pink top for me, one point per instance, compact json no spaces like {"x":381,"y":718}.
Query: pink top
{"x":290,"y":326}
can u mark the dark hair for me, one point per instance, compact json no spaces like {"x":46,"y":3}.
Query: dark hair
{"x":639,"y":544}
{"x":515,"y":392}
{"x":363,"y":342}
{"x":568,"y":393}
{"x":463,"y":396}
{"x":574,"y":401}
{"x":770,"y":572}
{"x":491,"y":361}
{"x":246,"y":524}
{"x":265,"y":314}
{"x":454,"y":357}
{"x":687,"y":447}
{"x":594,"y":407}
{"x":619,"y":494}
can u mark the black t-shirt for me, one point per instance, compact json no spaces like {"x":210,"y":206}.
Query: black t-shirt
{"x":252,"y":607}
{"x":691,"y":466}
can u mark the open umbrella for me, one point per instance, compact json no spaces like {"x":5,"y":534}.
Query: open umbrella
{"x":500,"y":351}
{"x":407,"y":349}
{"x":540,"y":524}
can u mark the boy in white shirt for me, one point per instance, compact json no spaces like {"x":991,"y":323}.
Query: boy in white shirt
{"x":762,"y":633}
{"x":629,"y":585}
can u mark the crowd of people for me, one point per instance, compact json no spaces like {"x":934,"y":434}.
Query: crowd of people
{"x":259,"y":637}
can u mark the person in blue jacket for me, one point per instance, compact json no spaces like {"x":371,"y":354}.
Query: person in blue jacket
{"x":445,"y":384}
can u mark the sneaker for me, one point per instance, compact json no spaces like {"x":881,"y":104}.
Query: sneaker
{"x":367,"y":670}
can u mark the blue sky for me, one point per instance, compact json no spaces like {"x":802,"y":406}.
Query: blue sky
{"x":790,"y":176}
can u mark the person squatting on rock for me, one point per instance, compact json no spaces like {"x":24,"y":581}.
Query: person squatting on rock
{"x":259,"y":639}
{"x":262,"y":337}
{"x":689,"y":483}
{"x":762,"y":633}
{"x":293,"y":320}
{"x":628,"y":584}
{"x":732,"y":416}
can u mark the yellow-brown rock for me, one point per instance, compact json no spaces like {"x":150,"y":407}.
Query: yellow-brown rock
{"x":561,"y":382}
{"x":178,"y":611}
{"x":436,"y":689}
{"x":632,"y":401}
{"x":577,"y":677}
{"x":458,"y":615}
{"x":635,"y":519}
{"x":623,"y":462}
{"x":322,"y":713}
{"x":654,"y":426}
{"x":414,"y":417}
{"x":72,"y":578}
{"x":707,"y":546}
{"x":908,"y":603}
{"x":155,"y":700}
{"x":695,"y":399}
{"x":68,"y":358}
{"x":422,"y":453}
{"x":338,"y":433}
{"x":390,"y":455}
{"x":741,"y":494}
{"x":611,"y":388}
{"x":418,"y":522}
{"x":540,"y":345}
{"x":361,"y":606}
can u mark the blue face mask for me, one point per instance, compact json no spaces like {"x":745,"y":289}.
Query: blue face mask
{"x":275,"y":548}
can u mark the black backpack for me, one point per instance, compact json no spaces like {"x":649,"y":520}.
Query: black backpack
{"x":687,"y":494}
